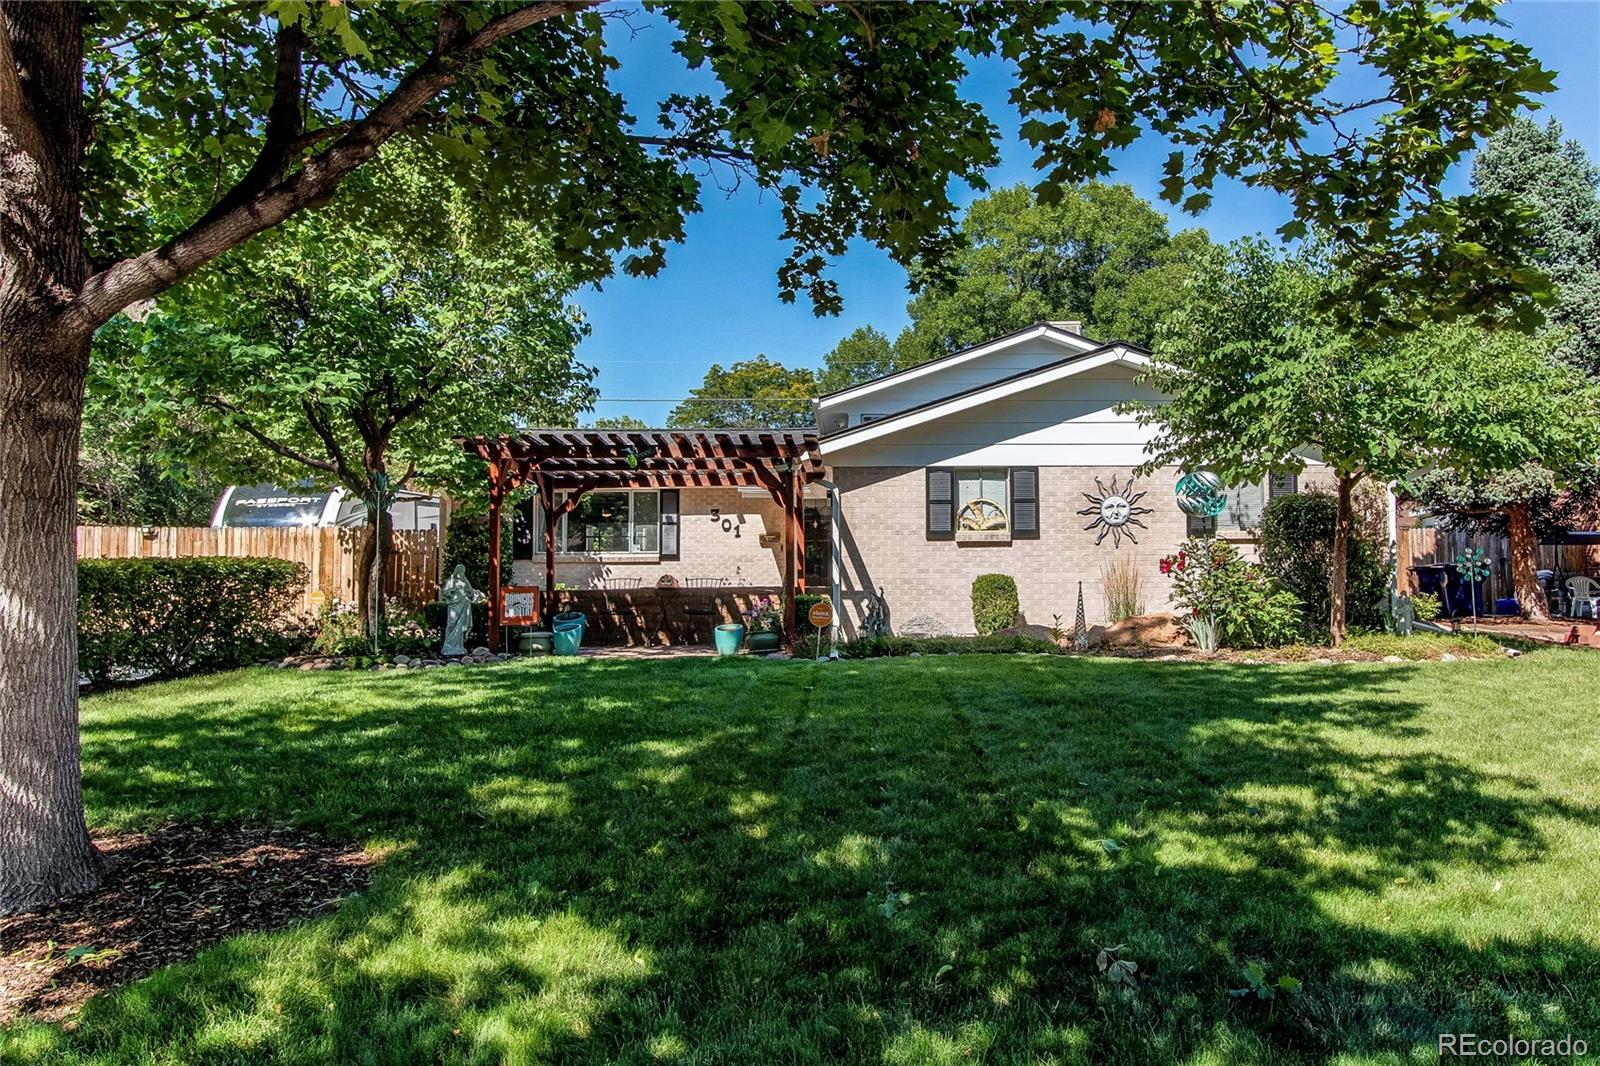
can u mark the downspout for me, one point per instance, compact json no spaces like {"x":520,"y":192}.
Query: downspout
{"x":836,"y":548}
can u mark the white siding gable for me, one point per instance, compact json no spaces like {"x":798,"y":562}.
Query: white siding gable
{"x":982,"y":365}
{"x":1068,"y":421}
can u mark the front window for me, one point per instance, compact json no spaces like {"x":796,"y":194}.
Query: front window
{"x":646,"y":521}
{"x":983,"y":502}
{"x":612,"y":523}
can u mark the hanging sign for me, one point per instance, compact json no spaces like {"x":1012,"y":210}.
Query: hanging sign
{"x":519,"y":605}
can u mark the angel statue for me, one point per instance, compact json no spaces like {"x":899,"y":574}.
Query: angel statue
{"x":458,"y":596}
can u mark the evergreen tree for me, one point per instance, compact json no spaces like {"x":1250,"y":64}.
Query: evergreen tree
{"x":1557,"y":181}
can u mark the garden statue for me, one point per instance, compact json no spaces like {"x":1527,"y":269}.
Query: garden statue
{"x":458,"y":596}
{"x":1400,"y":614}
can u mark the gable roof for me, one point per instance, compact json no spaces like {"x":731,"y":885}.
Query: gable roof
{"x":1052,"y":330}
{"x":1104,"y":355}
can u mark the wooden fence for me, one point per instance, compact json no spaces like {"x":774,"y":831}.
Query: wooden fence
{"x":331,"y":556}
{"x":1422,"y":546}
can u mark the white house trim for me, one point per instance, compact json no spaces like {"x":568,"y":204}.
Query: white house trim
{"x":857,"y":435}
{"x":1044,"y":330}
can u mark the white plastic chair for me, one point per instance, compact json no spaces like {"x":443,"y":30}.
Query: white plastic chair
{"x":1582,"y":590}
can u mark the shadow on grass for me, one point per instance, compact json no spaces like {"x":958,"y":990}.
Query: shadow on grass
{"x":904,"y":861}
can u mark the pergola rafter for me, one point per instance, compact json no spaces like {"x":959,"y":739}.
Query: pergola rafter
{"x":568,"y":463}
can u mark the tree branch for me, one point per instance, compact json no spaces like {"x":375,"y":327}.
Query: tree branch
{"x":320,"y":427}
{"x":283,"y":123}
{"x":147,"y":274}
{"x":270,"y":443}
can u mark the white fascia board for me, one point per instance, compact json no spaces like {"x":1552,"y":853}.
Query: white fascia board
{"x":998,"y":391}
{"x":1070,"y":340}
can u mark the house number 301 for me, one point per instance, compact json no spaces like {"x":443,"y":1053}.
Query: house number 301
{"x":728,"y":524}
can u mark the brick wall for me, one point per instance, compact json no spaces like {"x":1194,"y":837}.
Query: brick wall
{"x":885,"y":546}
{"x":727,"y":548}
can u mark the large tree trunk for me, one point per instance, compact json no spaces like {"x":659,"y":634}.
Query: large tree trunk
{"x":45,"y":851}
{"x":1339,"y":565}
{"x":1525,"y":564}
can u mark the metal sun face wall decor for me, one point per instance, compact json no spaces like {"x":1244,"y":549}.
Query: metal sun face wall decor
{"x":1115,"y":510}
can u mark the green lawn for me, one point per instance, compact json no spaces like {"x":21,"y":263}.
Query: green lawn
{"x":898,"y":861}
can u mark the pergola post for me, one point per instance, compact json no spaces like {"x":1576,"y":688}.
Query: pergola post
{"x":791,"y":632}
{"x":547,"y":504}
{"x":797,"y":491}
{"x":496,"y":497}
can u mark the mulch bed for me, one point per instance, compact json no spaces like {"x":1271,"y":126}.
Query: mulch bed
{"x":168,"y":894}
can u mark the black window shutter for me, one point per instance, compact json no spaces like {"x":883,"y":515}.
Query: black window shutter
{"x":522,"y":531}
{"x":1025,"y":502}
{"x":669,"y":524}
{"x":1282,"y":485}
{"x":941,"y":503}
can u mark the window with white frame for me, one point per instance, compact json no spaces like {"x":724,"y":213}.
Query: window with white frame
{"x":620,"y":522}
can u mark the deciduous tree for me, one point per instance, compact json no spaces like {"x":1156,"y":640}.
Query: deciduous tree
{"x":751,"y":392}
{"x":351,"y":344}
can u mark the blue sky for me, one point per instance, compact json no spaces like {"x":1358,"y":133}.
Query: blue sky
{"x":717,"y":298}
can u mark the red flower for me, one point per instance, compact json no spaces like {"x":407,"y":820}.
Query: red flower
{"x":1183,"y":559}
{"x":1166,"y":566}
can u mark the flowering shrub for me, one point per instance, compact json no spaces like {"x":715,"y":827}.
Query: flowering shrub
{"x":339,"y":630}
{"x":1212,"y":581}
{"x":765,"y":615}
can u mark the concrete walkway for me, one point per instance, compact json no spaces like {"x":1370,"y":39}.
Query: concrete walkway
{"x":649,"y":651}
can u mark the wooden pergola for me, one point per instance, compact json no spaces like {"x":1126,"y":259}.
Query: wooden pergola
{"x":568,"y":463}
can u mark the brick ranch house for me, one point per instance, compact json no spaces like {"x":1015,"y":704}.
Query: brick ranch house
{"x":995,"y":459}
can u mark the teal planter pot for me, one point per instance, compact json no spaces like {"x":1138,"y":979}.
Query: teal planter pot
{"x":764,"y":641}
{"x":729,"y":637}
{"x":568,"y":636}
{"x":571,"y":616}
{"x":536,"y":642}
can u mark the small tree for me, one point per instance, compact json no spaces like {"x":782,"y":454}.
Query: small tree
{"x":1516,"y":424}
{"x":348,"y":350}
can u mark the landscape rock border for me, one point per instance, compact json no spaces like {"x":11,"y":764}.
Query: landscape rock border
{"x":479,"y":656}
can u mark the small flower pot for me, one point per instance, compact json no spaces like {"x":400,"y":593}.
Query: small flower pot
{"x":536,"y":642}
{"x":765,"y":641}
{"x":729,"y":637}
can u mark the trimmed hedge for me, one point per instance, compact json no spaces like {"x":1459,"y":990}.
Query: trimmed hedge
{"x":181,"y":616}
{"x":994,"y":603}
{"x":888,"y":647}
